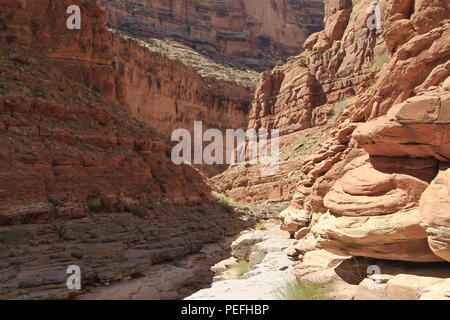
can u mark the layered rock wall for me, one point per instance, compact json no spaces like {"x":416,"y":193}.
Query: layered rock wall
{"x":380,"y":98}
{"x":305,"y":97}
{"x":164,"y":93}
{"x":254,"y":33}
{"x":367,"y":202}
{"x":82,"y":181}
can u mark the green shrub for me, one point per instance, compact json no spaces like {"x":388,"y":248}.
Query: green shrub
{"x":55,"y":202}
{"x":379,"y":62}
{"x":200,"y":210}
{"x":60,"y":230}
{"x":97,"y":89}
{"x":241,"y":268}
{"x":137,"y":213}
{"x":23,"y":284}
{"x":340,"y":106}
{"x":34,"y":27}
{"x":223,"y":201}
{"x":38,"y":92}
{"x":261,"y":225}
{"x":304,"y":290}
{"x":14,"y":235}
{"x":10,"y":38}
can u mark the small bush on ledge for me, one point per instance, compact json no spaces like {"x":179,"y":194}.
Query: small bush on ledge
{"x":137,"y":213}
{"x":304,"y":290}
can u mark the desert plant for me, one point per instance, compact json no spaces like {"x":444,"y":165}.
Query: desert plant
{"x":261,"y":225}
{"x":225,"y":202}
{"x":304,"y":290}
{"x":60,"y":230}
{"x":34,"y":27}
{"x":200,"y":210}
{"x":137,"y":213}
{"x":340,"y":106}
{"x":379,"y":62}
{"x":97,"y":89}
{"x":38,"y":92}
{"x":240,"y":268}
{"x":55,"y":202}
{"x":23,"y":284}
{"x":14,"y":235}
{"x":10,"y":38}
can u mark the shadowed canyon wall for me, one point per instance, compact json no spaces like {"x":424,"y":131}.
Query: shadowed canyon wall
{"x":82,"y":181}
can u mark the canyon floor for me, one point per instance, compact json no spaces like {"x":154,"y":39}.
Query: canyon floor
{"x":261,"y":268}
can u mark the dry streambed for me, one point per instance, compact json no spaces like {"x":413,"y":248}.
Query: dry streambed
{"x":268,"y":265}
{"x":258,"y":269}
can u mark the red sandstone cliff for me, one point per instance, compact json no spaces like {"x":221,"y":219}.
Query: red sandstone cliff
{"x":364,"y":152}
{"x":82,"y":181}
{"x":359,"y":190}
{"x":255,"y":33}
{"x":165,"y":93}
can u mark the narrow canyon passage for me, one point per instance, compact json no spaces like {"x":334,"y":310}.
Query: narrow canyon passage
{"x":99,"y":199}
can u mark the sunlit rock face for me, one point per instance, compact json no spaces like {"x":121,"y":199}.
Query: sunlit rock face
{"x":254,"y":33}
{"x":435,"y":211}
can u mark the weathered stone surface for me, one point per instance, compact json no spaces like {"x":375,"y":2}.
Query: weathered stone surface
{"x":270,"y":272}
{"x":415,"y":128}
{"x":424,"y":48}
{"x":404,"y":287}
{"x":242,"y":247}
{"x":66,"y":154}
{"x":353,"y":278}
{"x":83,"y":181}
{"x":293,"y":219}
{"x":120,"y":256}
{"x":165,"y":92}
{"x":367,"y":192}
{"x":248,"y":183}
{"x":304,"y":91}
{"x":164,"y":281}
{"x":435,"y":212}
{"x":437,"y":291}
{"x":262,"y":249}
{"x":224,"y":270}
{"x":370,"y":290}
{"x":397,"y":236}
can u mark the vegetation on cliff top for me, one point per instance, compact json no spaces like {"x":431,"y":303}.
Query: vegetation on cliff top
{"x":204,"y":66}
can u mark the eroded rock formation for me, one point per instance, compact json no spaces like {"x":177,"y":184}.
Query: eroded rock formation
{"x":380,"y":98}
{"x":254,"y":33}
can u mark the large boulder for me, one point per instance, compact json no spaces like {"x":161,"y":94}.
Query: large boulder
{"x":435,"y":212}
{"x":416,"y":128}
{"x":365,"y":191}
{"x":293,"y":219}
{"x":374,"y":214}
{"x":241,"y":248}
{"x":397,"y":236}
